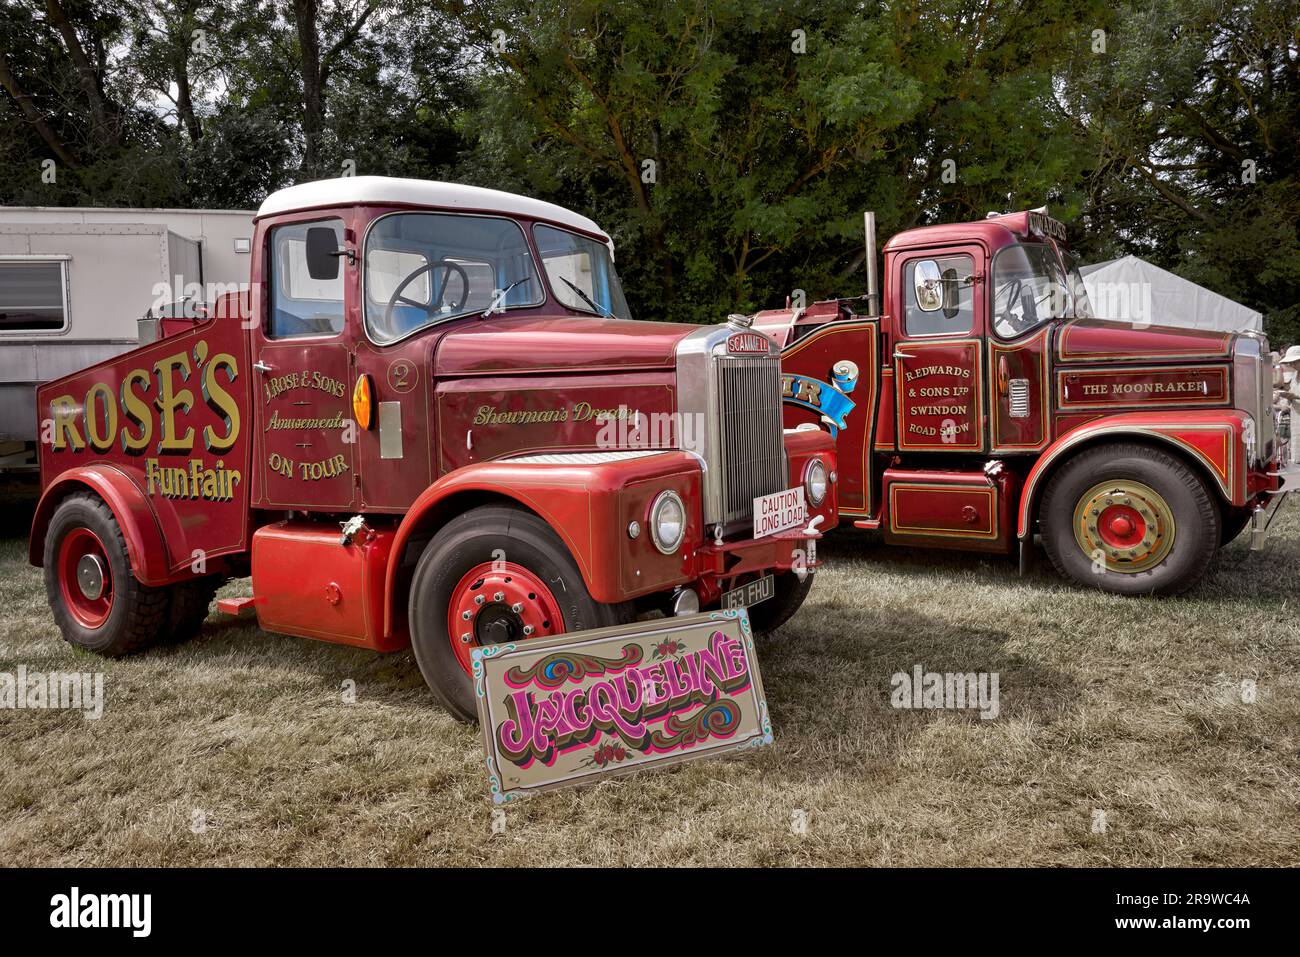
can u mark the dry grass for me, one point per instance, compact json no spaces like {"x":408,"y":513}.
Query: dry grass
{"x":1127,"y":706}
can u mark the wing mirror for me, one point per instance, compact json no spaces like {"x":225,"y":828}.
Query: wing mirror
{"x":928,"y":285}
{"x":938,"y":289}
{"x":323,"y":253}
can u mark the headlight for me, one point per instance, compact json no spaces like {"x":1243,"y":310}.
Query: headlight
{"x":1252,"y":391}
{"x":814,"y":481}
{"x":667,"y":522}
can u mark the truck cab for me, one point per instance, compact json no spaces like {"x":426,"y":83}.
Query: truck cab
{"x":430,"y":421}
{"x":979,"y":403}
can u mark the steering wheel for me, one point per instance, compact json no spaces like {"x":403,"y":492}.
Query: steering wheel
{"x":1013,"y":287}
{"x":433,"y":308}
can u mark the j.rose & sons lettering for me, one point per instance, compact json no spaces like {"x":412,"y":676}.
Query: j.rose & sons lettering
{"x":304,"y":380}
{"x":626,"y":701}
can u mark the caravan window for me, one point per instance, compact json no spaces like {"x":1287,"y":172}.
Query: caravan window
{"x":33,"y":295}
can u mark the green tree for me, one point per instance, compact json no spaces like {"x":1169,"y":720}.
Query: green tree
{"x":770,"y":127}
{"x":1191,"y":112}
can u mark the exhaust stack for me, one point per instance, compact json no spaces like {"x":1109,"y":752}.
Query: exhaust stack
{"x":873,"y":294}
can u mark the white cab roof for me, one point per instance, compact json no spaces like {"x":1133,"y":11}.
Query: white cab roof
{"x":354,"y":190}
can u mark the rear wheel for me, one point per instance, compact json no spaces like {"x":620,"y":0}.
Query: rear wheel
{"x":493,"y":575}
{"x":189,"y":605}
{"x":1129,"y":519}
{"x":767,"y":616}
{"x":98,"y":603}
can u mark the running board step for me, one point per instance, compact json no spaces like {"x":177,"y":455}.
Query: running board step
{"x":236,"y":606}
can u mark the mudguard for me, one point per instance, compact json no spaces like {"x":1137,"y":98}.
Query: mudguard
{"x":588,"y":499}
{"x":145,"y":546}
{"x":1214,"y":440}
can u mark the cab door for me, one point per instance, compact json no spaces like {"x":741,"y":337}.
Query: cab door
{"x":306,"y":435}
{"x":938,"y":352}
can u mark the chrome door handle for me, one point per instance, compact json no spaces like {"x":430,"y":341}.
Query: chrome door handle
{"x":903,"y":355}
{"x":261,"y":366}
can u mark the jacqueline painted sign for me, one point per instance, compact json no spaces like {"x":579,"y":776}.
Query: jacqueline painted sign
{"x":570,"y":709}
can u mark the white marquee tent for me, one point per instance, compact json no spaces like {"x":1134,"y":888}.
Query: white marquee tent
{"x":1133,"y":289}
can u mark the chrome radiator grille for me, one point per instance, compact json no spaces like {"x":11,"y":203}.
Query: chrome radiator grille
{"x":750,"y":429}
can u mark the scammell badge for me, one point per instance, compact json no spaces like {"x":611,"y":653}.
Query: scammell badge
{"x":747,"y":343}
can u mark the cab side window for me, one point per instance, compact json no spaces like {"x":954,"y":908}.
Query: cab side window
{"x":301,"y":305}
{"x":956,"y":315}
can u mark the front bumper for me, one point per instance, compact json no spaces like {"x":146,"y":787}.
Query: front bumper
{"x":781,"y":551}
{"x":1261,"y":522}
{"x":720,"y":564}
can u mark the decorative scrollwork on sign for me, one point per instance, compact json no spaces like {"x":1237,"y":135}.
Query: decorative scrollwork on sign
{"x":498,"y":796}
{"x":477,"y":656}
{"x":554,"y":670}
{"x":718,"y":720}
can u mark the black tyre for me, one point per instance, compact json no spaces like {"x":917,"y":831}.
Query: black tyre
{"x":1232,"y":523}
{"x":767,"y":616}
{"x":190,"y":602}
{"x":1129,"y":519}
{"x":492,"y":575}
{"x":98,"y":603}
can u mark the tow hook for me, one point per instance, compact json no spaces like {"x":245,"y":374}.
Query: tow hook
{"x":350,"y":528}
{"x":810,"y":548}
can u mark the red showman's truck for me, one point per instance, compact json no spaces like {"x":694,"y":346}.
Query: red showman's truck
{"x":429,"y":422}
{"x":980,"y":403}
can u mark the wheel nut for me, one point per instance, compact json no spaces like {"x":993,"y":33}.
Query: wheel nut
{"x":528,"y":630}
{"x":478,"y":599}
{"x":499,"y":596}
{"x":517,"y":607}
{"x":465,"y":615}
{"x":465,"y":638}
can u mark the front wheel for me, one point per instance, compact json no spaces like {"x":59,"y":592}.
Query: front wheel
{"x":491,"y":576}
{"x":767,"y":616}
{"x":1129,"y":519}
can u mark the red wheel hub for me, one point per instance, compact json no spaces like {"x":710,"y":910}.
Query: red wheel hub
{"x":85,"y":577}
{"x":499,"y":602}
{"x":1121,"y":526}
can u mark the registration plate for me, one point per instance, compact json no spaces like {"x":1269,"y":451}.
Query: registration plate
{"x":750,"y":594}
{"x":779,"y":512}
